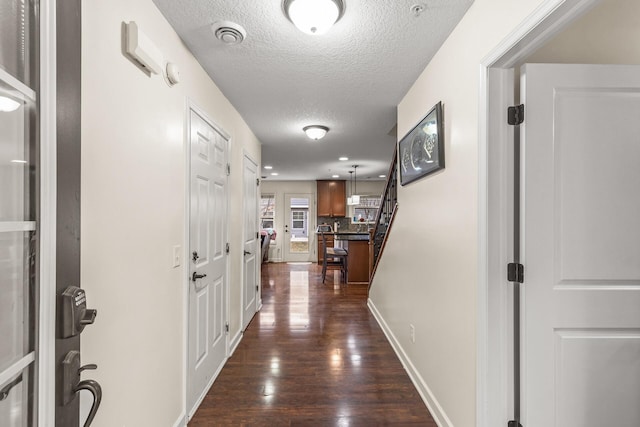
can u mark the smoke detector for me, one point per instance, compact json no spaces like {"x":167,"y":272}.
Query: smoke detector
{"x":228,"y":32}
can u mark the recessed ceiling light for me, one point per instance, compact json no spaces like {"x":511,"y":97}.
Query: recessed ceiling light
{"x":335,"y":176}
{"x":268,"y":167}
{"x":382,"y":176}
{"x":274,"y":173}
{"x":343,"y":159}
{"x":19,"y":161}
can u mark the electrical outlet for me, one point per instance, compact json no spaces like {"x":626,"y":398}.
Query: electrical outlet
{"x":176,"y":256}
{"x":412,"y":333}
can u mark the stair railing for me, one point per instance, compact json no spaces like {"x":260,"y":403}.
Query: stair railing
{"x":384,"y":219}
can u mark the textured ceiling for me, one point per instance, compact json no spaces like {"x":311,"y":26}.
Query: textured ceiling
{"x":350,"y":79}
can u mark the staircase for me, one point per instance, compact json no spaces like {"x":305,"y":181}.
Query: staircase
{"x":386,"y":213}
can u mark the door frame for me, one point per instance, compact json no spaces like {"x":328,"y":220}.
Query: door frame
{"x":258,"y":297}
{"x":48,"y":208}
{"x":494,"y":382}
{"x":190,"y":106}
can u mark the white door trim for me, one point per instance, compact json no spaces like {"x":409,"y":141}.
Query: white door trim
{"x":48,"y":195}
{"x":190,"y":106}
{"x":494,"y":343}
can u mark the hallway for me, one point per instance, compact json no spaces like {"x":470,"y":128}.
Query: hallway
{"x":314,"y":355}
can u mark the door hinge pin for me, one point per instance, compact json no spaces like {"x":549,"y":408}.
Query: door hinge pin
{"x":226,"y":327}
{"x":258,"y":182}
{"x":515,"y":272}
{"x":515,"y":115}
{"x":228,"y":169}
{"x":513,"y":423}
{"x":227,"y":248}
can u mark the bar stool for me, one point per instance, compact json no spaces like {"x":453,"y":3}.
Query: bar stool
{"x":333,"y":257}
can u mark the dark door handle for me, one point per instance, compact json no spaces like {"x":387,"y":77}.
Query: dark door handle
{"x":197,"y":276}
{"x":247,"y":253}
{"x":94,"y":388}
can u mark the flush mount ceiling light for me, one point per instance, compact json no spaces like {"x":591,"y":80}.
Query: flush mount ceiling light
{"x":315,"y":132}
{"x":313,"y":17}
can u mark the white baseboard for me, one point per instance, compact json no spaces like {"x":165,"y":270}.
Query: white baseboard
{"x":181,"y":421}
{"x":235,"y":341}
{"x":427,"y":396}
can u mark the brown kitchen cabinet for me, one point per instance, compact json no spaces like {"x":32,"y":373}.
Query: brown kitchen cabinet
{"x":332,"y":198}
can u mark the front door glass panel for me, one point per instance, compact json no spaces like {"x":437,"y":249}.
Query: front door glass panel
{"x":299,"y":225}
{"x":18,"y":213}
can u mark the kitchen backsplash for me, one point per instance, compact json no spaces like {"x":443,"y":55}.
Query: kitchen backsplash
{"x":344,"y":224}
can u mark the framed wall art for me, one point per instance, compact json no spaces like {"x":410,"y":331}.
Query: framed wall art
{"x":421,"y":151}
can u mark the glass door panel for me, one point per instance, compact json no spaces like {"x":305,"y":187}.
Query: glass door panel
{"x":17,"y":39}
{"x":299,"y":225}
{"x":299,"y":230}
{"x":18,"y":197}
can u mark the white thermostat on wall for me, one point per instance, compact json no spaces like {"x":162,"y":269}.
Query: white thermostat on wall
{"x":142,"y":50}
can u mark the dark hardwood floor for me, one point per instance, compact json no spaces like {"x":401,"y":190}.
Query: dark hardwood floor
{"x":313,"y":356}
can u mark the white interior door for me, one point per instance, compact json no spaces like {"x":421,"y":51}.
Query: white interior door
{"x":251,"y":249}
{"x":20,"y":358}
{"x":299,"y":229}
{"x":208,"y":286}
{"x":581,"y":245}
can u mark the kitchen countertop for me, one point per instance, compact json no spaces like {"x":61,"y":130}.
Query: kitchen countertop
{"x":352,"y":235}
{"x":349,"y":235}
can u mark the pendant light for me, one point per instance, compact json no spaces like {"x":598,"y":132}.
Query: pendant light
{"x":349,"y":203}
{"x":354,"y":199}
{"x":354,"y":196}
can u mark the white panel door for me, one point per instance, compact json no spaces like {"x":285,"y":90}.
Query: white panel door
{"x":207,"y":346}
{"x":251,"y":249}
{"x":581,"y":245}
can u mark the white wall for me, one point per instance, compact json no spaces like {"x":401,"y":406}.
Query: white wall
{"x":133,"y":212}
{"x":607,"y":34}
{"x":427,"y":275}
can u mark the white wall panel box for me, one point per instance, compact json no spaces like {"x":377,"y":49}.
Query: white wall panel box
{"x":141,"y":49}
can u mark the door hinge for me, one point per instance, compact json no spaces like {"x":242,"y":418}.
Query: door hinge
{"x":515,"y":115}
{"x":257,"y":289}
{"x":513,"y":423}
{"x":226,"y":327}
{"x":257,"y":234}
{"x":227,"y":247}
{"x":228,"y":169}
{"x":515,"y":272}
{"x":258,"y":182}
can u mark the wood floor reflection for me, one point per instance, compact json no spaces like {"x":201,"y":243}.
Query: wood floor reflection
{"x":313,"y":356}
